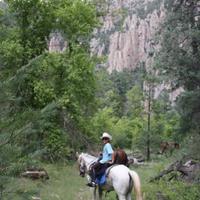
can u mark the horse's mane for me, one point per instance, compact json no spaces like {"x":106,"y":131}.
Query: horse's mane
{"x":120,"y":157}
{"x":88,"y":157}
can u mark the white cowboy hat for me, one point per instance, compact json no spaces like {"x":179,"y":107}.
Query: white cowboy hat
{"x":106,"y":135}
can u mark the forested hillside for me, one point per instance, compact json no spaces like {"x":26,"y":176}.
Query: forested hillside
{"x":53,"y":104}
{"x":179,"y":60}
{"x":46,"y":99}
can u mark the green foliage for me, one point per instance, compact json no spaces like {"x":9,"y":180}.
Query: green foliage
{"x":61,"y":177}
{"x":165,"y":119}
{"x":126,"y":132}
{"x":135,"y":101}
{"x":66,"y":79}
{"x":8,"y":155}
{"x":35,"y":20}
{"x":43,"y":90}
{"x":172,"y":190}
{"x":43,"y":93}
{"x":165,"y":188}
{"x":103,"y":121}
{"x":112,"y":88}
{"x":191,"y":147}
{"x":162,"y":104}
{"x":188,"y":106}
{"x":76,"y":19}
{"x":111,"y":99}
{"x":179,"y":59}
{"x":122,"y":93}
{"x":66,"y":176}
{"x":11,"y":54}
{"x":122,"y":82}
{"x":56,"y":145}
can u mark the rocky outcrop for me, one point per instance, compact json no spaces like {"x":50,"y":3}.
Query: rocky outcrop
{"x":57,"y":42}
{"x":127,"y":33}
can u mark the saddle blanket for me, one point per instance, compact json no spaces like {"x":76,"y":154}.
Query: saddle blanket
{"x":101,"y":180}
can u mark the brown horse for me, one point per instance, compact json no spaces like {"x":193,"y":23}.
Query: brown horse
{"x":168,"y":147}
{"x":120,"y":157}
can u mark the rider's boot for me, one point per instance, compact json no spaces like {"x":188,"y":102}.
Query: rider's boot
{"x":91,"y":184}
{"x":91,"y":180}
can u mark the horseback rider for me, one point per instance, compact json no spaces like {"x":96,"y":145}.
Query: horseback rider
{"x":104,"y":161}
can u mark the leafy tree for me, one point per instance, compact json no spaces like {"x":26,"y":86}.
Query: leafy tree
{"x":135,"y":102}
{"x":76,"y":19}
{"x":123,"y":133}
{"x":122,"y":82}
{"x":35,"y":20}
{"x":179,"y":58}
{"x":65,"y":80}
{"x":103,"y":121}
{"x":47,"y":98}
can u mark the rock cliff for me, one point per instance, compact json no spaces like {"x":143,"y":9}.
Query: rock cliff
{"x":126,"y":36}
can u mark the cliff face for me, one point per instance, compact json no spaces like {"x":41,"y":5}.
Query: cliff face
{"x":127,"y":32}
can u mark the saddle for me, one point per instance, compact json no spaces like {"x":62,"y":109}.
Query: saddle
{"x":101,"y":179}
{"x":120,"y":157}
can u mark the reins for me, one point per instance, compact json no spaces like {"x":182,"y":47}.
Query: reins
{"x":89,"y":163}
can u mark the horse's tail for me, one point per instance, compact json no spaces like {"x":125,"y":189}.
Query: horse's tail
{"x":136,"y":184}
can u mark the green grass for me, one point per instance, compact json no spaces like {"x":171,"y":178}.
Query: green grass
{"x":66,"y":184}
{"x":164,"y":189}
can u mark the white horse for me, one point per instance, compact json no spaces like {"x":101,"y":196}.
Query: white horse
{"x":119,"y":178}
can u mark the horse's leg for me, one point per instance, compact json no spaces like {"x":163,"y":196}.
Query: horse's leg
{"x":100,"y":192}
{"x":124,"y":197}
{"x":171,"y":151}
{"x":121,"y":197}
{"x":128,"y":197}
{"x":117,"y":197}
{"x":95,"y":193}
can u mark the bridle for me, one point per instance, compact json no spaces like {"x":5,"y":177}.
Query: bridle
{"x":82,"y":170}
{"x":82,"y":167}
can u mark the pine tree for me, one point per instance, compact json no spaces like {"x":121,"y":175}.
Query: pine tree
{"x":179,"y":58}
{"x":46,"y":98}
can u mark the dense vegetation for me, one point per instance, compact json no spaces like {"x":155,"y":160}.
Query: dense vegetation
{"x":46,"y":98}
{"x":53,"y":104}
{"x":179,"y":60}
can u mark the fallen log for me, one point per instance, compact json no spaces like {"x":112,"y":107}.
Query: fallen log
{"x":135,"y":161}
{"x":189,"y":171}
{"x":170,"y":169}
{"x":35,"y":174}
{"x":36,"y":198}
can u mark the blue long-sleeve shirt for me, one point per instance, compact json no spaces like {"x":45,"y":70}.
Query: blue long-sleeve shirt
{"x":107,"y":153}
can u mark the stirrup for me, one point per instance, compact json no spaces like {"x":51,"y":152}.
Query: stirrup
{"x":91,"y":184}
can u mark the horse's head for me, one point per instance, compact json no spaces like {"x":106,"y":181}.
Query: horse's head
{"x":81,"y":164}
